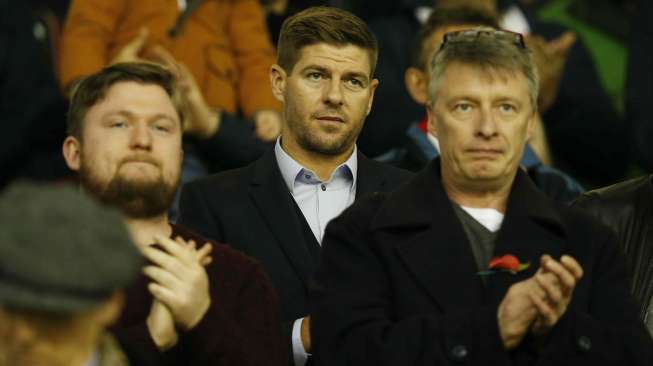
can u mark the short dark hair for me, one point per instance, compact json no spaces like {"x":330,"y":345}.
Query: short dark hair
{"x":447,"y":16}
{"x":323,"y":24}
{"x":93,"y":88}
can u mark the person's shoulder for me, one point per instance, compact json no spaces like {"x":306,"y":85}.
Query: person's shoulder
{"x":228,"y":180}
{"x":623,"y":193}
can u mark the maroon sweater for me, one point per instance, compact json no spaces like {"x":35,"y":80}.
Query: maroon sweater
{"x":242,"y":326}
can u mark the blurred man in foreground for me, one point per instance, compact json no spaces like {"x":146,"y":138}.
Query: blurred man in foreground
{"x":64,"y":261}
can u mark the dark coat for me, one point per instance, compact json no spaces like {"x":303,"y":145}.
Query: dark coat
{"x":252,"y":210}
{"x":627,"y":208}
{"x":397,"y":285}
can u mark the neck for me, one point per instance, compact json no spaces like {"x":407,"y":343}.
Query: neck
{"x":321,"y":164}
{"x":79,"y":352}
{"x":143,"y":230}
{"x":477,"y":197}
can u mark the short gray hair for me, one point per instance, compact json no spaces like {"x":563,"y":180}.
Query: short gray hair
{"x":489,"y":52}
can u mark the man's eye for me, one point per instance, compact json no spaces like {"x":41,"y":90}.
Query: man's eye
{"x":315,"y":76}
{"x":463,"y":107}
{"x":507,"y":108}
{"x":161,"y":127}
{"x":117,"y":124}
{"x":355,"y":82}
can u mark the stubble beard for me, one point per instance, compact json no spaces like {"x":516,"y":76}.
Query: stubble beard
{"x":334,"y":144}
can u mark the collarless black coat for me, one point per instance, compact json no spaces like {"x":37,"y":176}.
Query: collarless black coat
{"x":397,"y":284}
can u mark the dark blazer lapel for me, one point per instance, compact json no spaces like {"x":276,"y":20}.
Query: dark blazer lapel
{"x":438,"y":254}
{"x":532,"y":227}
{"x":274,"y":201}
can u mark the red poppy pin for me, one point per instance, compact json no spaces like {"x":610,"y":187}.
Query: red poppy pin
{"x":505,"y":263}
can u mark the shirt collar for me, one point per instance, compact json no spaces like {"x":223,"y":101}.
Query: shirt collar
{"x":292,"y":171}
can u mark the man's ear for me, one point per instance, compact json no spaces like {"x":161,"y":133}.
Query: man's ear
{"x":278,"y":79}
{"x":71,"y":150}
{"x":109,"y":311}
{"x":532,"y":125}
{"x":373,"y":84}
{"x":416,"y":82}
{"x":431,"y":125}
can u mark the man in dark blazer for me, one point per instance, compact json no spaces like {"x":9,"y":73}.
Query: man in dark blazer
{"x":276,"y":209}
{"x":468,"y":263}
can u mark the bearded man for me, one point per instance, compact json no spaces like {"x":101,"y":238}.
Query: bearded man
{"x":125,"y":126}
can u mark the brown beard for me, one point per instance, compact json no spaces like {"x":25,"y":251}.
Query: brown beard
{"x":136,"y":199}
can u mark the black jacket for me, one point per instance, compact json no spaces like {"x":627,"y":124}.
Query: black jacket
{"x":627,"y":208}
{"x":252,"y":210}
{"x":397,"y":285}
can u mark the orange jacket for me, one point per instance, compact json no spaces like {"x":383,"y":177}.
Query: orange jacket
{"x":224,"y":43}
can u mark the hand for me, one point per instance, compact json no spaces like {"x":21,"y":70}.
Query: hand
{"x":305,"y":333}
{"x":131,"y":51}
{"x":556,"y":282}
{"x":550,"y":58}
{"x":202,"y":121}
{"x":268,"y":124}
{"x":203,"y":255}
{"x":161,"y":326}
{"x":516,"y":313}
{"x":179,"y":280}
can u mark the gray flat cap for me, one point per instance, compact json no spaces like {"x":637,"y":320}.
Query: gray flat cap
{"x":60,"y":251}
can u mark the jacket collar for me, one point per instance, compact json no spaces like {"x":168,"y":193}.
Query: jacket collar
{"x":423,"y":199}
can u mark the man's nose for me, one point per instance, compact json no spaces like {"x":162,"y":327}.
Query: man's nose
{"x":487,"y":124}
{"x":141,"y":136}
{"x":333,"y":93}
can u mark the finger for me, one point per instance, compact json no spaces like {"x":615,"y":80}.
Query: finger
{"x":166,"y":58}
{"x":164,"y":295}
{"x":204,"y":251}
{"x":572,"y":266}
{"x":206,"y":261}
{"x":173,"y":247}
{"x":136,"y":44}
{"x":162,"y":277}
{"x":163,"y":260}
{"x":546,"y":311}
{"x":187,"y":76}
{"x":549,"y":283}
{"x":567,"y":279}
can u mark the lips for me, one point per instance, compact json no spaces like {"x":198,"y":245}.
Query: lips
{"x":140,"y":159}
{"x":330,"y":118}
{"x":484,"y":152}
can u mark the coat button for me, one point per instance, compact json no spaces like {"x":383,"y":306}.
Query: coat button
{"x":584,"y":343}
{"x":459,"y":352}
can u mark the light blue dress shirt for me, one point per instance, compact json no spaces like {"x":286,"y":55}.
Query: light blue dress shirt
{"x":320,"y":202}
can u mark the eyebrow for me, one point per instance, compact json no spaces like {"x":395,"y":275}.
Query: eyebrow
{"x":157,"y":116}
{"x":356,"y":74}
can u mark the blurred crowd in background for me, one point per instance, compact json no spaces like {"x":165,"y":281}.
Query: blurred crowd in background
{"x":593,"y":56}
